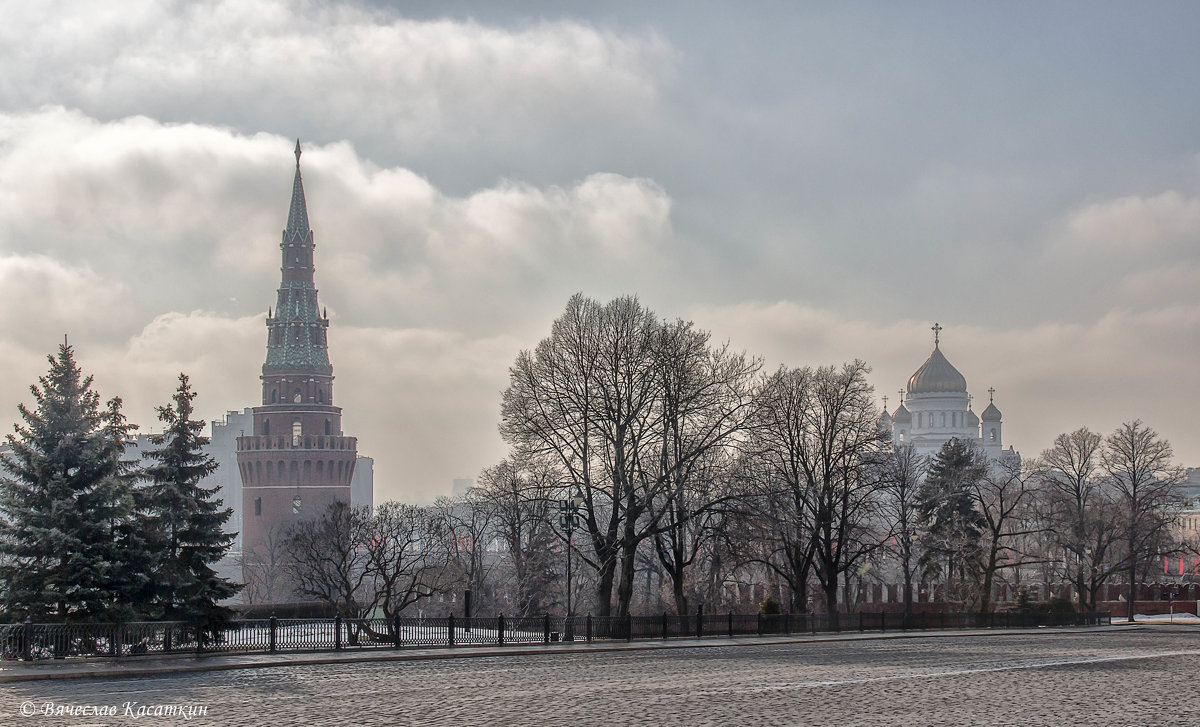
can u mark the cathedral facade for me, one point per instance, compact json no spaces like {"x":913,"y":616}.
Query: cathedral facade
{"x":298,"y":460}
{"x":935,"y":408}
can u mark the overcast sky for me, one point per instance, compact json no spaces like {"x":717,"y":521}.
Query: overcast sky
{"x":811,"y":183}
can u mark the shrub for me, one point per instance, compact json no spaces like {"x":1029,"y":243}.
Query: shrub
{"x":770,"y":606}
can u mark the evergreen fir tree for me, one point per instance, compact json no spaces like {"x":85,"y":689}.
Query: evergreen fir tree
{"x":946,"y":511}
{"x":130,"y":560}
{"x":185,"y":521}
{"x":63,"y":502}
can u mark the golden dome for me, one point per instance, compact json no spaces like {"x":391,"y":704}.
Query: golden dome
{"x":937,"y":376}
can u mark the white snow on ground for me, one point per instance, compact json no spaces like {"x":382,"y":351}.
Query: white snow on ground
{"x":1189,"y":618}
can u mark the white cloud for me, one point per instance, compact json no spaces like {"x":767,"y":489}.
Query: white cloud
{"x":1136,"y":225}
{"x":272,"y":64}
{"x":157,"y":249}
{"x":43,"y":295}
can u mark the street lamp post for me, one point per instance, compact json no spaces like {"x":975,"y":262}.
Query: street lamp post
{"x":568,"y":520}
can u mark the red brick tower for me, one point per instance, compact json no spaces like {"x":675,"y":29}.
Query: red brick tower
{"x":297,"y":461}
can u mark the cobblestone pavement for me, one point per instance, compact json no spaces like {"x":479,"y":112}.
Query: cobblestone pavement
{"x":1145,"y":676}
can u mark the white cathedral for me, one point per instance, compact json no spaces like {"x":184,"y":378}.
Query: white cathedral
{"x":937,"y":408}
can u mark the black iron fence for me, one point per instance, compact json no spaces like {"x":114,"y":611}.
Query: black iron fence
{"x":30,"y":641}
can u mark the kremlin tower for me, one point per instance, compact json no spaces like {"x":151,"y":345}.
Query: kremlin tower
{"x":297,"y":461}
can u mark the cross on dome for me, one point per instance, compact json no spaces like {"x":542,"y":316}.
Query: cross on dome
{"x":991,"y":394}
{"x":937,"y":327}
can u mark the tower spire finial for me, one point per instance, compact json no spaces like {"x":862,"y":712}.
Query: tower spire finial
{"x":991,"y":395}
{"x":885,"y":403}
{"x":937,"y":333}
{"x":298,"y":152}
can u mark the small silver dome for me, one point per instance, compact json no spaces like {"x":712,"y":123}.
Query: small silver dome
{"x":991,"y":413}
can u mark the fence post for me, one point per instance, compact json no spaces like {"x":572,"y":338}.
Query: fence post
{"x":629,"y":627}
{"x":27,"y":640}
{"x":337,"y":633}
{"x":729,"y":617}
{"x":699,"y":620}
{"x":589,"y":628}
{"x":199,"y":639}
{"x":812,"y":622}
{"x":760,"y":623}
{"x":787,"y":622}
{"x":450,"y":629}
{"x":546,"y":629}
{"x":119,"y":639}
{"x":664,"y":626}
{"x":396,"y":628}
{"x":273,"y":624}
{"x":500,"y":629}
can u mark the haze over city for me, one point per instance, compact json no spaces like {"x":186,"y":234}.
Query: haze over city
{"x":812,"y":185}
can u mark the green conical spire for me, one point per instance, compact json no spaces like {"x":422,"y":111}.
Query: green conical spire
{"x":297,"y":223}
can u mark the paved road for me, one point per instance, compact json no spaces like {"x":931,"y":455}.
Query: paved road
{"x":1147,"y":676}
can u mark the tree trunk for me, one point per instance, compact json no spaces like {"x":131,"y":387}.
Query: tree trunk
{"x":625,"y":590}
{"x":681,"y":599}
{"x":1132,"y":555}
{"x":908,"y":600}
{"x":831,"y":606}
{"x":604,"y":587}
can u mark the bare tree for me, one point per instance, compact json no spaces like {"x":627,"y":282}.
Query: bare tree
{"x":406,"y":556}
{"x":596,"y":397}
{"x":1080,"y":511}
{"x":1003,"y":497}
{"x":819,"y":446}
{"x":706,"y":396}
{"x":1139,"y":462}
{"x":468,"y":520}
{"x":778,"y":517}
{"x":520,"y":492}
{"x":844,"y":464}
{"x":326,"y":560}
{"x":266,"y":567}
{"x":902,"y":481}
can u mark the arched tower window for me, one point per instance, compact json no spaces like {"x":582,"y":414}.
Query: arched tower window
{"x":258,"y":506}
{"x":274,"y":395}
{"x":320,"y":396}
{"x":297,"y":430}
{"x":328,"y":428}
{"x":266,"y":427}
{"x":297,"y":396}
{"x":992,"y":434}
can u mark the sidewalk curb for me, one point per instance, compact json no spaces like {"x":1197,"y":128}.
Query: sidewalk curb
{"x":127,"y":669}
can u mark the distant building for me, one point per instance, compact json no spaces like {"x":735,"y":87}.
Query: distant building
{"x":935,"y":408}
{"x":222,"y":447}
{"x":362,"y":487}
{"x":297,"y":460}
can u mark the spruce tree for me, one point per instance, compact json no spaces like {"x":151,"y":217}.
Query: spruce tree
{"x":952,"y":524}
{"x":185,"y":521}
{"x":65,"y":501}
{"x":128,"y":547}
